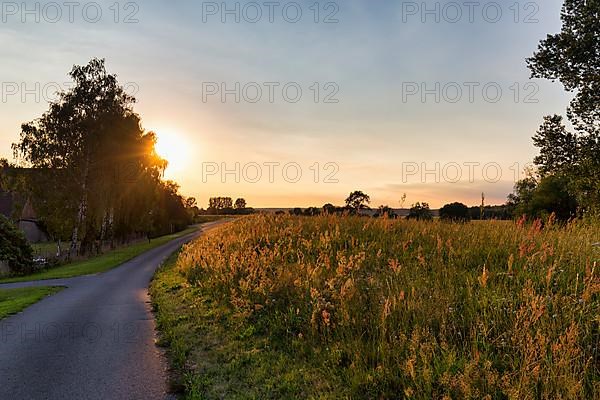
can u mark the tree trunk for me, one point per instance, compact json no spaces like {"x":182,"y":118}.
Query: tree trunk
{"x":104,"y":227}
{"x":81,"y":211}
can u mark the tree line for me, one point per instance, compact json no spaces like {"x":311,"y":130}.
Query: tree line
{"x":226,"y":206}
{"x":358,"y":202}
{"x":92,"y":173}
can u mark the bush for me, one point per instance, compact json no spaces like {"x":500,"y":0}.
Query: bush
{"x":14,"y":249}
{"x":420,"y":212}
{"x":455,"y":212}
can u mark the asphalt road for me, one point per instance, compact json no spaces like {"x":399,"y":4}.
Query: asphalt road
{"x":93,"y":340}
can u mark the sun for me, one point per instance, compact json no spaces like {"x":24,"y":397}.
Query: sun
{"x":174,"y":148}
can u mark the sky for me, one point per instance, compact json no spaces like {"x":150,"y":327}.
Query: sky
{"x":296,"y":104}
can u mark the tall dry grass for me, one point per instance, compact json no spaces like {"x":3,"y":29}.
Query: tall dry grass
{"x":406,"y":309}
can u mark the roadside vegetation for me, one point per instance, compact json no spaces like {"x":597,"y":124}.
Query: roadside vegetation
{"x":13,"y":301}
{"x":15,"y":253}
{"x":202,"y":219}
{"x":109,"y":188}
{"x":351,"y":307}
{"x":99,"y":263}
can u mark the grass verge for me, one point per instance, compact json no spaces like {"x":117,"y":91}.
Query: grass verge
{"x":13,"y":301}
{"x":214,"y":354}
{"x":100,"y":263}
{"x":202,"y":219}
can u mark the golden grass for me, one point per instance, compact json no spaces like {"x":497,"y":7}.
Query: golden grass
{"x":407,"y":309}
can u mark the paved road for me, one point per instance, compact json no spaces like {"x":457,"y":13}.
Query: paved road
{"x":93,"y":340}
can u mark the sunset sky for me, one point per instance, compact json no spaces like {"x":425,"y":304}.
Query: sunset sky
{"x":378,"y":137}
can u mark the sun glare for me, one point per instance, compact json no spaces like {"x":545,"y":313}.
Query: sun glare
{"x":173,"y":148}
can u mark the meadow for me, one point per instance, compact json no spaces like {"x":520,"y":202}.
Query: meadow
{"x":350,"y":307}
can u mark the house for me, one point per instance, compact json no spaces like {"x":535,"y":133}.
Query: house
{"x":25,"y":218}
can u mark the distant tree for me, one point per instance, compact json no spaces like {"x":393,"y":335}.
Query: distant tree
{"x":329,"y":208}
{"x":501,"y":212}
{"x":358,"y":201}
{"x":240,"y":204}
{"x":220,"y":205}
{"x":312,"y":212}
{"x":227,"y":202}
{"x":420,"y":212}
{"x":455,"y":212}
{"x":385,"y":211}
{"x":296,"y":211}
{"x":191,"y":202}
{"x":226,"y":206}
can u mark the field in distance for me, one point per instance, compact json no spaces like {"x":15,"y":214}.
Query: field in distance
{"x":348,"y":307}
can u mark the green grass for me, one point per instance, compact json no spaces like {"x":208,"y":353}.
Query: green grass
{"x":100,"y":263}
{"x":47,"y":249}
{"x":13,"y":301}
{"x":211,"y":218}
{"x":214,"y":355}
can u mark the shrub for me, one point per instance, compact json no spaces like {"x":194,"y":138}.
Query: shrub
{"x":456,"y":212}
{"x":420,"y":212}
{"x":14,"y":249}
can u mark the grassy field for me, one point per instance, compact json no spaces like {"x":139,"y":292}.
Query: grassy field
{"x":13,"y":301}
{"x":100,"y":263}
{"x":345,"y":307}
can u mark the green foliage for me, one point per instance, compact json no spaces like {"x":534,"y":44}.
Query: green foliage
{"x":539,"y":199}
{"x":240,"y":204}
{"x":420,"y":212}
{"x":201,"y":219}
{"x":14,"y":249}
{"x":329,"y":208}
{"x":101,"y":263}
{"x":571,"y":57}
{"x":385,"y":211}
{"x":558,"y":147}
{"x":456,"y":212}
{"x":358,"y":201}
{"x":95,"y":174}
{"x":214,"y":354}
{"x":226,"y":206}
{"x":503,"y":212}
